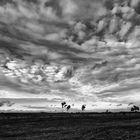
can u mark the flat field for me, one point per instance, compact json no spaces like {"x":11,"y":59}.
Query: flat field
{"x":70,"y":126}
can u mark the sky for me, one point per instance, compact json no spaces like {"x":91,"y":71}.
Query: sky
{"x":77,"y":51}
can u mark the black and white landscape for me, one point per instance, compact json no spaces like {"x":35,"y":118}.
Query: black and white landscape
{"x":70,"y":56}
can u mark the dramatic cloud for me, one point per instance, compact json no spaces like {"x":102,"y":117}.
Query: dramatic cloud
{"x":70,"y":50}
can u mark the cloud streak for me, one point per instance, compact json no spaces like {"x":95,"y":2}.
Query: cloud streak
{"x":74,"y":51}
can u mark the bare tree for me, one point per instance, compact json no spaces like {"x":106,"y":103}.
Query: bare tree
{"x":83,"y":107}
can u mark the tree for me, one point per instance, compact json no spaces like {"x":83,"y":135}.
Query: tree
{"x":134,"y":108}
{"x":63,"y":104}
{"x":68,"y":107}
{"x":83,"y":107}
{"x":107,"y":111}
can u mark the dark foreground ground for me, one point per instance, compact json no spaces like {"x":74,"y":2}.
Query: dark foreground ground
{"x":69,"y":126}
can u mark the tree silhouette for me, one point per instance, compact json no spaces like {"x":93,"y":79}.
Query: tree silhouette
{"x":134,"y":108}
{"x":83,"y":107}
{"x":107,"y":111}
{"x":63,"y":104}
{"x":68,"y":107}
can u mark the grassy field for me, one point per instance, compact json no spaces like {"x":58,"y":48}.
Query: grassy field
{"x":69,"y":126}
